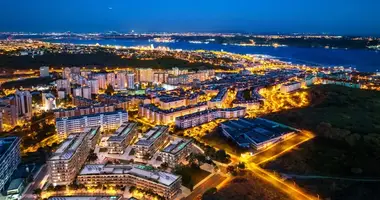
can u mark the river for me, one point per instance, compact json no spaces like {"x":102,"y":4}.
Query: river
{"x":361,"y":59}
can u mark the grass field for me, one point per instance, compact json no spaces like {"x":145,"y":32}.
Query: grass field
{"x":191,"y":175}
{"x":248,"y":187}
{"x":347,"y":124}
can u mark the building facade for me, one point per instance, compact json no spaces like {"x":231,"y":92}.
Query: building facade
{"x":177,"y":150}
{"x":10,"y":158}
{"x":68,"y":159}
{"x":107,"y":121}
{"x":144,"y":177}
{"x":122,"y":138}
{"x":151,"y":141}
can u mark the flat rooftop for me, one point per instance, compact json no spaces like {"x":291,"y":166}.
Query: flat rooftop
{"x":152,"y":135}
{"x":176,"y":146}
{"x":141,"y":171}
{"x":122,"y":132}
{"x":6,"y":144}
{"x":255,"y":130}
{"x":68,"y":147}
{"x":85,"y":198}
{"x":92,"y":115}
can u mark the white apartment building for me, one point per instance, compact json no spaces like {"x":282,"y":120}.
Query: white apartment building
{"x":107,"y":121}
{"x":131,"y":80}
{"x":171,"y":102}
{"x":44,"y":71}
{"x":145,"y":75}
{"x":94,"y":84}
{"x":24,"y":103}
{"x":121,"y":138}
{"x":63,"y":84}
{"x":198,"y":118}
{"x":160,"y":116}
{"x":68,"y":159}
{"x":86,"y":92}
{"x":48,"y":101}
{"x":151,"y":141}
{"x":163,"y":183}
{"x":177,"y":150}
{"x":290,"y":87}
{"x":121,"y":80}
{"x":101,"y":80}
{"x":111,"y":79}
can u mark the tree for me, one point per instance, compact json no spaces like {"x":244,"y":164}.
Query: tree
{"x":209,"y":193}
{"x":109,"y":90}
{"x":230,"y":169}
{"x":37,"y":192}
{"x":164,"y":165}
{"x":241,"y":165}
{"x":92,"y":157}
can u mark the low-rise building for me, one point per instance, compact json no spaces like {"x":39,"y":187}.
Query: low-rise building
{"x":256,"y":133}
{"x":219,"y":99}
{"x":290,"y":87}
{"x":160,"y":116}
{"x":177,"y":150}
{"x":68,"y":159}
{"x":83,"y":110}
{"x":151,"y":141}
{"x":107,"y":121}
{"x":10,"y":158}
{"x":121,"y":138}
{"x":198,"y":118}
{"x":144,"y":177}
{"x":167,"y":103}
{"x":48,"y":101}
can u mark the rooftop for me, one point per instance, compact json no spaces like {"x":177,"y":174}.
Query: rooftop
{"x":6,"y":143}
{"x":92,"y":115}
{"x":151,"y":136}
{"x":141,"y":171}
{"x":68,"y":147}
{"x":177,"y":145}
{"x":122,"y":132}
{"x":254,"y":130}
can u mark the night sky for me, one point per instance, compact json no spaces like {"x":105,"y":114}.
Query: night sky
{"x":350,"y":17}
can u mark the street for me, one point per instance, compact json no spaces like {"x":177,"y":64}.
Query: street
{"x":213,"y":181}
{"x":39,"y":182}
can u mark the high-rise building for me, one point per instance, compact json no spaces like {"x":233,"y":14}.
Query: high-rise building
{"x":63,"y":84}
{"x":9,"y":114}
{"x":101,"y":80}
{"x":145,"y":75}
{"x":161,"y":77}
{"x":70,"y":156}
{"x":75,"y":70}
{"x":77,"y":92}
{"x":110,"y":79}
{"x":107,"y":121}
{"x":86,"y":92}
{"x":94,"y":84}
{"x":24,"y":103}
{"x":61,"y":94}
{"x":131,"y":80}
{"x":44,"y":71}
{"x":48,"y":101}
{"x":121,"y":80}
{"x":66,"y":73}
{"x":10,"y":158}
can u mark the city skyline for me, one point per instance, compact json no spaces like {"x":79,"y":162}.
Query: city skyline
{"x":338,"y":17}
